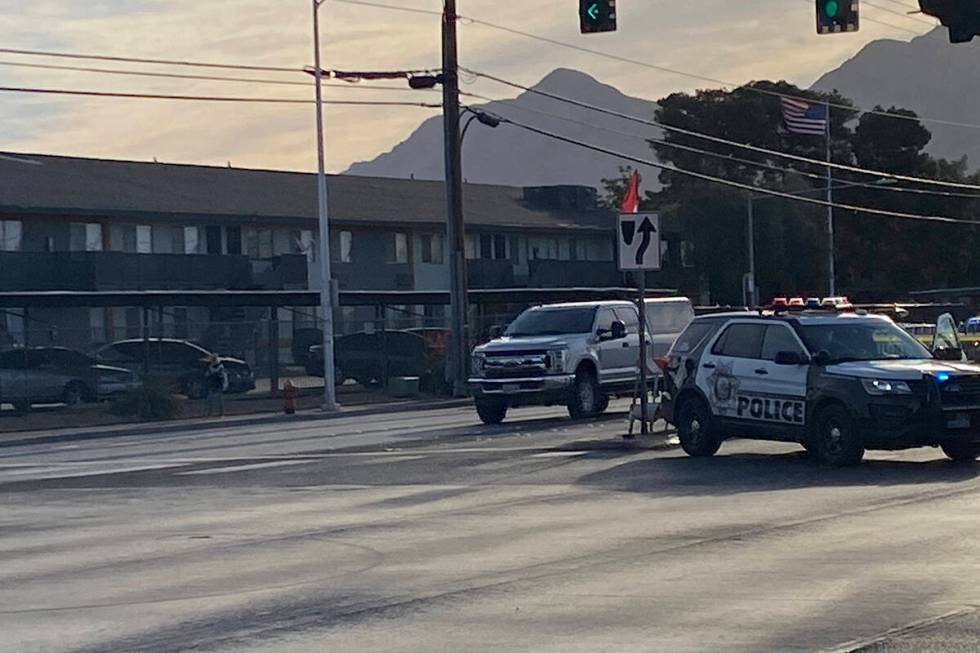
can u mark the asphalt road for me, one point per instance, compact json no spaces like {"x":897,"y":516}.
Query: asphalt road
{"x":426,"y":531}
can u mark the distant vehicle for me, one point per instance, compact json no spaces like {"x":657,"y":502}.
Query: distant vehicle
{"x":364,"y":357}
{"x":924,"y":333}
{"x":178,"y":364}
{"x":578,"y":354}
{"x":42,"y":375}
{"x":667,"y":317}
{"x":837,"y":383}
{"x":972,"y":326}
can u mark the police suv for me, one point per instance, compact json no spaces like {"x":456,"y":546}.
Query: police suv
{"x":837,"y":383}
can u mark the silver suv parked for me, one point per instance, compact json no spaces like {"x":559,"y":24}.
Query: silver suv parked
{"x":578,"y":355}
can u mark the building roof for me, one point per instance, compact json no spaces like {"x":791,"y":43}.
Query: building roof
{"x":43,"y":184}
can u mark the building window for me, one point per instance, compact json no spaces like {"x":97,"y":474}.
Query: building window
{"x":687,"y":254}
{"x":180,"y":323}
{"x":250,"y":242}
{"x":144,"y":239}
{"x":86,"y":237}
{"x":212,"y":240}
{"x":470,"y":246}
{"x":11,"y":235}
{"x":233,"y":237}
{"x":430,"y":248}
{"x":265,"y":243}
{"x":543,"y":249}
{"x":493,"y":247}
{"x":564,"y":250}
{"x":396,"y":249}
{"x":346,"y":244}
{"x":192,"y":240}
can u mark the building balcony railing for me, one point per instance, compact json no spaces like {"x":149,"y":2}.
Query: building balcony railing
{"x":94,"y":271}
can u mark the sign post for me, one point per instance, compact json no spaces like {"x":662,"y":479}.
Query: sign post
{"x":639,"y":251}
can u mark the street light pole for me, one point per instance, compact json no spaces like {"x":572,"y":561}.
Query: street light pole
{"x":326,"y":283}
{"x":455,"y":231}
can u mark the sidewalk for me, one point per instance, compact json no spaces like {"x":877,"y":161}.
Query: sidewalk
{"x":102,"y":425}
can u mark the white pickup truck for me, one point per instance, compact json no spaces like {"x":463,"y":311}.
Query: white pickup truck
{"x":578,"y":355}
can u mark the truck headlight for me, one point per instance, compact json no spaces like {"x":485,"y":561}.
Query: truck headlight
{"x":477,"y":364}
{"x":879,"y":387}
{"x":555,"y":361}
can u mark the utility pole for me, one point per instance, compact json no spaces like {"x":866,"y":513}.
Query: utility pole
{"x":326,"y":290}
{"x":831,"y":272}
{"x":459,"y":355}
{"x":750,"y":299}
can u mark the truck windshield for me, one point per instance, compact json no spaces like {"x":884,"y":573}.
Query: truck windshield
{"x":552,"y":322}
{"x":862,"y":342}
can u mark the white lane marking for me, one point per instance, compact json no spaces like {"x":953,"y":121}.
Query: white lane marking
{"x":243,"y":468}
{"x":559,"y":454}
{"x":386,"y":459}
{"x":53,"y":473}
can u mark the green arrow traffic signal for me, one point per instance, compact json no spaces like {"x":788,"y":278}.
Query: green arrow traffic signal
{"x":831,"y":9}
{"x":836,"y":16}
{"x":597,"y":16}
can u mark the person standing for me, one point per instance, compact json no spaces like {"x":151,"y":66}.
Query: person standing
{"x":216,"y":379}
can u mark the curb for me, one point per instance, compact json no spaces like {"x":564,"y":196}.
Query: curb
{"x":204,"y":424}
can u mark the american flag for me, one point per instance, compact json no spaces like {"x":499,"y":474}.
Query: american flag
{"x":804,"y":117}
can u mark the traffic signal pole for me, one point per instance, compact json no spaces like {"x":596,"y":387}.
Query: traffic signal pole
{"x":455,"y":231}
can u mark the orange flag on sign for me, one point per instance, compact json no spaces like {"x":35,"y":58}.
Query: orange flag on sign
{"x":631,"y":201}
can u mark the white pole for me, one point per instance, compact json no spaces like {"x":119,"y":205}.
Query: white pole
{"x":326,"y":294}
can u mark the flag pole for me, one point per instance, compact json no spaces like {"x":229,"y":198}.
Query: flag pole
{"x":831,"y":273}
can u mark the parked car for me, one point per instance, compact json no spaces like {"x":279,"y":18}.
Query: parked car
{"x":59,"y":375}
{"x":363,"y":356}
{"x":178,"y":364}
{"x":577,"y":354}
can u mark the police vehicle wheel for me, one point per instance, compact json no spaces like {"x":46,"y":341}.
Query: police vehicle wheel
{"x":585,"y":398}
{"x":838,"y":441}
{"x":962,"y":452}
{"x":491,"y":411}
{"x":694,"y":429}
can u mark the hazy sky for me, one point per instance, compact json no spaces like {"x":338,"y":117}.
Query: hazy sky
{"x":731,"y":41}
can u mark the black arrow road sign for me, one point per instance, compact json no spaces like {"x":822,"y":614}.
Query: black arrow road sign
{"x":647,"y":229}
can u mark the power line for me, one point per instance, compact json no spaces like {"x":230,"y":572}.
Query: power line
{"x":212,"y":98}
{"x":724,"y":141}
{"x":735,"y":159}
{"x":381,"y":5}
{"x":218,"y":78}
{"x":735,"y":184}
{"x":162,"y":62}
{"x":899,"y":13}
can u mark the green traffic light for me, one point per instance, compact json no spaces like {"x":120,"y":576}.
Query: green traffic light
{"x":831,"y":8}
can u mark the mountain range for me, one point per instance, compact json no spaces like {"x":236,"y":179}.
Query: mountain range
{"x":927,"y":74}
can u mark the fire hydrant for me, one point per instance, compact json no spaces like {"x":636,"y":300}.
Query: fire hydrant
{"x":289,"y":392}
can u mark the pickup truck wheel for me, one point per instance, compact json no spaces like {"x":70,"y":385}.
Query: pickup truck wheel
{"x":585,"y":399}
{"x":962,"y":452}
{"x":491,"y":411}
{"x":602,"y":404}
{"x":837,"y":438}
{"x":694,"y":429}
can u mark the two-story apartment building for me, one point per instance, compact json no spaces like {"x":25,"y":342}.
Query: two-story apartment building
{"x":85,"y":224}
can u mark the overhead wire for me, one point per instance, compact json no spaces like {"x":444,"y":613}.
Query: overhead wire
{"x":724,"y":141}
{"x":211,"y":98}
{"x":184,"y":76}
{"x":144,"y":60}
{"x":743,"y":161}
{"x":731,"y":183}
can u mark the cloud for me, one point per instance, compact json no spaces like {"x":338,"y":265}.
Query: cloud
{"x":734,"y":42}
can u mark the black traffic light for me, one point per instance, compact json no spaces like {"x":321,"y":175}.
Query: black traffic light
{"x":962,"y":17}
{"x":835,"y":16}
{"x":597,"y":15}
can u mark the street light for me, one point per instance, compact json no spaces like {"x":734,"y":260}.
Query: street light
{"x":323,"y":213}
{"x":749,"y":292}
